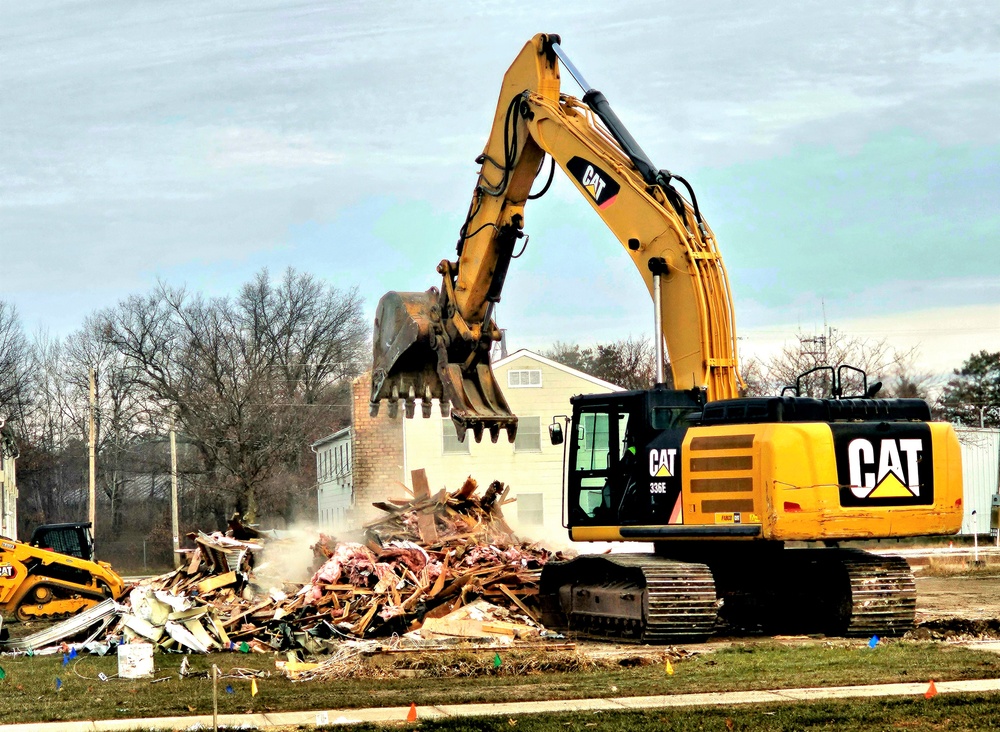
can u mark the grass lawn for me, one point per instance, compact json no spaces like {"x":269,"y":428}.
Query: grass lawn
{"x":954,"y":712}
{"x":29,"y":690}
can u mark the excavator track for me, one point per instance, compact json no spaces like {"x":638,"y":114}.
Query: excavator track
{"x":836,"y":592}
{"x":638,"y":597}
{"x":47,"y":599}
{"x":883,"y":597}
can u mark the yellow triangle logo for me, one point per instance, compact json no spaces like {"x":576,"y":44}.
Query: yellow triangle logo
{"x":890,"y":487}
{"x":592,"y":189}
{"x":663,"y":472}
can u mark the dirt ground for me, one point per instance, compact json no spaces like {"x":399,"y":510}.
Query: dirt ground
{"x":962,"y":596}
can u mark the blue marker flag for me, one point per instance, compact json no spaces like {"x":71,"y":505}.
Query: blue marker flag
{"x":72,"y":653}
{"x":58,"y":683}
{"x":873,"y":642}
{"x":65,"y":659}
{"x":229,"y":689}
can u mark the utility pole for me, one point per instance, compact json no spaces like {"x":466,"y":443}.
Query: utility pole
{"x":93,"y":452}
{"x":174,"y":521}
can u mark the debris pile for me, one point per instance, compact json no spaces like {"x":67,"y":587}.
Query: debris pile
{"x":435,"y":567}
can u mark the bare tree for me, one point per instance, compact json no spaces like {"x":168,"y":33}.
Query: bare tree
{"x":15,"y":366}
{"x":628,"y":362}
{"x":249,"y":380}
{"x":876,"y":358}
{"x":121,"y":416}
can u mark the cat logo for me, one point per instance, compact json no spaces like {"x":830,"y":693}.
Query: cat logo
{"x":7,"y":570}
{"x":593,"y":182}
{"x":599,"y":184}
{"x":884,"y":467}
{"x":661,"y":462}
{"x":896,"y":473}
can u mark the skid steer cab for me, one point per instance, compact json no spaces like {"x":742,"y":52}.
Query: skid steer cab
{"x":74,"y":539}
{"x":55,"y":574}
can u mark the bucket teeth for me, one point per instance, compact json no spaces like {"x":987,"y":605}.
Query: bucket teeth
{"x":409,"y":408}
{"x":373,"y":409}
{"x":494,"y":432}
{"x":445,"y":408}
{"x":511,"y":431}
{"x":425,"y":408}
{"x":393,"y":408}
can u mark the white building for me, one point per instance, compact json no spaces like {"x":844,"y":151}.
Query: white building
{"x":335,"y":490}
{"x":538,"y":391}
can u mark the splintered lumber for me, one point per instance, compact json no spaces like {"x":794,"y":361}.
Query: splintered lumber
{"x":425,"y":522}
{"x":443,"y":563}
{"x":514,"y":599}
{"x":216,"y":581}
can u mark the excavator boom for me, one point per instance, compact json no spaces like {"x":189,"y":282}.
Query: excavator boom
{"x":436,"y":344}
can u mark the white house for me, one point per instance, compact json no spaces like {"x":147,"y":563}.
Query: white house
{"x":371,"y":457}
{"x":335,"y":490}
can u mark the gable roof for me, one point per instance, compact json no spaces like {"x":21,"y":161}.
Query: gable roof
{"x":525,"y":353}
{"x":330,"y":438}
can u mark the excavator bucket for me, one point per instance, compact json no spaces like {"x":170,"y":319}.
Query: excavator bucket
{"x":413,"y":360}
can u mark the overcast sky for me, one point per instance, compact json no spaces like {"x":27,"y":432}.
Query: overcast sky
{"x":846,"y":154}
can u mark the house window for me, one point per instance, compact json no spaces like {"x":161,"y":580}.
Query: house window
{"x":529,"y":509}
{"x":519,"y":378}
{"x":450,"y":442}
{"x":529,"y":435}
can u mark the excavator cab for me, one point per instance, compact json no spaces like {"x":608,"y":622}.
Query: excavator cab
{"x":623,"y":465}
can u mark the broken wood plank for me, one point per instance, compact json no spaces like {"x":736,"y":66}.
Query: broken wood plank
{"x":216,"y":581}
{"x":517,"y":601}
{"x":425,"y":522}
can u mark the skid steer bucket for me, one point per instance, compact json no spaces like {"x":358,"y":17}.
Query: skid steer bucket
{"x":415,"y":358}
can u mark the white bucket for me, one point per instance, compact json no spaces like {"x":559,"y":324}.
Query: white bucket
{"x":135,"y":660}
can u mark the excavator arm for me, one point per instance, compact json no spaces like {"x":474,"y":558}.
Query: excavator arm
{"x":436,"y":344}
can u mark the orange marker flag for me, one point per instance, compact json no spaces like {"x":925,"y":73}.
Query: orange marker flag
{"x":412,"y":716}
{"x":931,"y":691}
{"x":253,"y":687}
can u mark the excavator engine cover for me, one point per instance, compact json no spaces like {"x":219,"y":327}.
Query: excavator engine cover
{"x":414,"y":358}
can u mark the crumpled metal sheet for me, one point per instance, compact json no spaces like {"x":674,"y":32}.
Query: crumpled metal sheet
{"x":100,"y":615}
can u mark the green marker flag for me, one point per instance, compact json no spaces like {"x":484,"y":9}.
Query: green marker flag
{"x":244,"y":647}
{"x":496,"y":660}
{"x":3,"y":674}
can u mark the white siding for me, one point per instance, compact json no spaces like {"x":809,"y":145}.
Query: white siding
{"x":335,"y":493}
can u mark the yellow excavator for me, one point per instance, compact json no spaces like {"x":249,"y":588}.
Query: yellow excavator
{"x":746,"y":500}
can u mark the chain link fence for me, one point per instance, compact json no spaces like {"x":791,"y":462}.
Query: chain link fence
{"x":139,"y":557}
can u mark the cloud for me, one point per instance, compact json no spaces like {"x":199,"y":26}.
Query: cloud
{"x":236,"y":147}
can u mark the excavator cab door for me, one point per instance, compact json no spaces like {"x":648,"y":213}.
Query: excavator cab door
{"x":604,"y":450}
